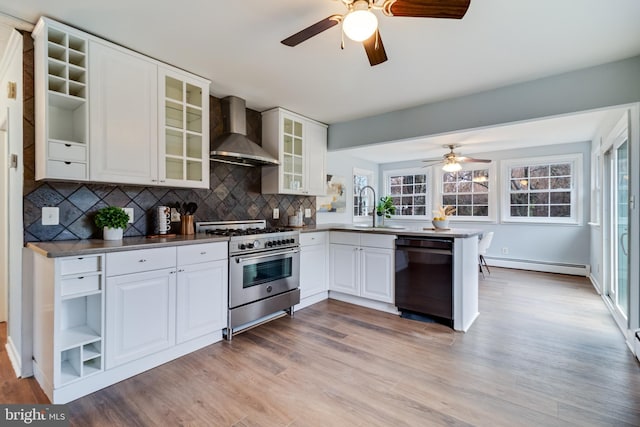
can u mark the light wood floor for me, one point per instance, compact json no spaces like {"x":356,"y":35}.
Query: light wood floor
{"x":544,"y":352}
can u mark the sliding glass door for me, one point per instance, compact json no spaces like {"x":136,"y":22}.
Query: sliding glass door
{"x":617,"y":225}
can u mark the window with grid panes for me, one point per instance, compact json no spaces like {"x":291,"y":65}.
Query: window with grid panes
{"x":542,"y":191}
{"x":467,"y":191}
{"x":410,"y":193}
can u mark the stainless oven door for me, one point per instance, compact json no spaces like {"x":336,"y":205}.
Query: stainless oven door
{"x":257,"y":276}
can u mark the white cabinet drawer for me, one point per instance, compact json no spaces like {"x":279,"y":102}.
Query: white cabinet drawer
{"x":68,"y":152}
{"x":142,"y":260}
{"x":80,"y":284}
{"x":344,"y":238}
{"x":385,"y":241}
{"x":77,"y":265}
{"x":70,"y":170}
{"x":308,"y":239}
{"x":194,"y":254}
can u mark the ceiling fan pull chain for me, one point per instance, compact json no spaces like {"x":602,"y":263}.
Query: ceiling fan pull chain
{"x":342,"y":40}
{"x":377,"y":39}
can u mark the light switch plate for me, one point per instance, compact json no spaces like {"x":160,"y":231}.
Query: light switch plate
{"x":129,"y":212}
{"x":50,"y":216}
{"x":276,"y":213}
{"x":307,"y":213}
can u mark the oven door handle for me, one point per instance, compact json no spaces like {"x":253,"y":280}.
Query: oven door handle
{"x":269,"y":255}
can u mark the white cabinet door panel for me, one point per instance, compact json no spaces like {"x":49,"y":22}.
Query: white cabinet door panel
{"x":344,"y":269}
{"x":316,"y":149}
{"x":377,"y":274}
{"x":123,"y":116}
{"x":140,"y":315}
{"x":313,"y":270}
{"x":201,"y":299}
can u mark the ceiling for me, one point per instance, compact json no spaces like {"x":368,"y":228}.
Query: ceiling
{"x":236,"y":44}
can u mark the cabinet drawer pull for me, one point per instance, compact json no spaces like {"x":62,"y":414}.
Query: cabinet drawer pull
{"x":203,"y":253}
{"x":67,"y":163}
{"x":81,"y":277}
{"x":67,"y":145}
{"x":142,"y":260}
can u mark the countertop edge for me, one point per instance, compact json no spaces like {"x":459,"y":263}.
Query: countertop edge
{"x":64,"y":248}
{"x":455,"y":233}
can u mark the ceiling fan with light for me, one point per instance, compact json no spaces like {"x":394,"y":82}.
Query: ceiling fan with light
{"x":451,"y":161}
{"x":360,"y":23}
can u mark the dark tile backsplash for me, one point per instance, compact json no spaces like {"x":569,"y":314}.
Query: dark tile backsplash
{"x":234,"y":192}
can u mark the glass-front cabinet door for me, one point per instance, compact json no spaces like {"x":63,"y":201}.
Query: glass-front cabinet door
{"x":184,"y":133}
{"x":293,"y":160}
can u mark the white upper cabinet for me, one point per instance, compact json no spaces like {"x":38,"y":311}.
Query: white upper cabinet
{"x":61,"y":79}
{"x":184,"y":130}
{"x":300,"y":145}
{"x":107,"y":114}
{"x":123,"y":117}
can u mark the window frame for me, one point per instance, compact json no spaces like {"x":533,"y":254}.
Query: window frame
{"x":492,"y":193}
{"x":428,"y":195}
{"x":577,"y":198}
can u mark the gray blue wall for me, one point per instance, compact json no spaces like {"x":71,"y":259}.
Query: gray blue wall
{"x":615,"y":83}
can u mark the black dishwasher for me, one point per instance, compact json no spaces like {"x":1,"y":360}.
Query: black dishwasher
{"x":424,"y":277}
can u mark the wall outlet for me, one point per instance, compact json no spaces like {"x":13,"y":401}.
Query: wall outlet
{"x":307,"y":213}
{"x":175,"y":215}
{"x":505,"y":251}
{"x":129,"y":212}
{"x":50,"y":216}
{"x":276,"y":213}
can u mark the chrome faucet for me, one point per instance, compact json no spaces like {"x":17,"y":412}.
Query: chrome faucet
{"x":373,"y":211}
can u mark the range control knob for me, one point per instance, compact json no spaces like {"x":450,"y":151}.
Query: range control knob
{"x":250,"y":245}
{"x":256,"y":244}
{"x":269,"y":244}
{"x":241,"y":246}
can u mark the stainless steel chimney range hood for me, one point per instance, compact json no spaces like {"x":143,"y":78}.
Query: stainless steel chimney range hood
{"x":233,"y":146}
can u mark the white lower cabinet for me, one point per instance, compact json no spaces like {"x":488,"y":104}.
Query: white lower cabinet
{"x":99,"y":319}
{"x":201,"y":293}
{"x":362,"y":264}
{"x":141,"y":315}
{"x":68,"y":327}
{"x":313,"y":264}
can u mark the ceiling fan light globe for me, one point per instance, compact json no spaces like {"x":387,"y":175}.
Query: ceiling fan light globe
{"x":359,"y":25}
{"x":451,"y":167}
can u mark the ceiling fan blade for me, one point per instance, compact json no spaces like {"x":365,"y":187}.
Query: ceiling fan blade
{"x":471,"y":160}
{"x":452,"y":9}
{"x":375,"y":49}
{"x":312,"y":30}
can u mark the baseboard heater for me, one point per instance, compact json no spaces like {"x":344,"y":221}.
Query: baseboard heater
{"x":544,"y":266}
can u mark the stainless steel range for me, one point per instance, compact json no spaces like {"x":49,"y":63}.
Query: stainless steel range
{"x":264,"y":270}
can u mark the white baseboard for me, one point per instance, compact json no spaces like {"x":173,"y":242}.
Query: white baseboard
{"x":14,"y":357}
{"x":595,"y":284}
{"x":542,"y":266}
{"x":376,"y":305}
{"x":310,"y":300}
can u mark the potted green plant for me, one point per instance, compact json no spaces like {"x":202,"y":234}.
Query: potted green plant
{"x":385,"y":208}
{"x":113,"y":220}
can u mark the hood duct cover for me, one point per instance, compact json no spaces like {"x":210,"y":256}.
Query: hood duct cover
{"x":234,"y":147}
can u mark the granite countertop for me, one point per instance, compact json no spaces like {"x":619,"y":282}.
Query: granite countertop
{"x":418,"y":231}
{"x":64,"y":248}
